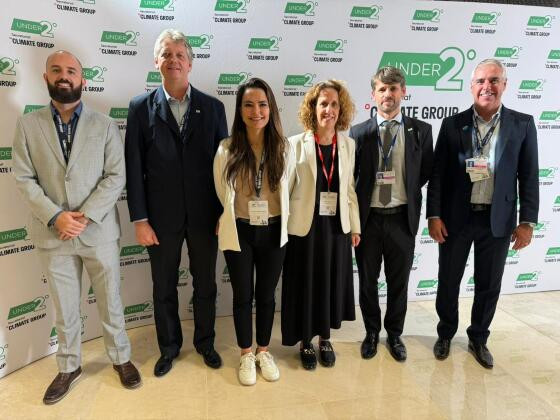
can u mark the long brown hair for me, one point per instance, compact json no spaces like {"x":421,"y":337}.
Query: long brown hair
{"x":242,"y":159}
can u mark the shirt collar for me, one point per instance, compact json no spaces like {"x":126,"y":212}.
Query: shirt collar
{"x":380,"y":119}
{"x":76,"y":114}
{"x":171,"y":98}
{"x":482,"y":120}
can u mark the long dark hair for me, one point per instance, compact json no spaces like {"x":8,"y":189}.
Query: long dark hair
{"x":242,"y":159}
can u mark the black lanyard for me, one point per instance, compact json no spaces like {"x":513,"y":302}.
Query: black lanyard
{"x":480,"y":143}
{"x":259,"y":176}
{"x":65,"y":134}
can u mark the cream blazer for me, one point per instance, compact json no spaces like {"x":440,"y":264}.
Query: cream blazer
{"x":227,"y":232}
{"x":302,"y":199}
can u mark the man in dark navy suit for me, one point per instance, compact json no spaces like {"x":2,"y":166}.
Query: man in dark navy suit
{"x":394,"y":155}
{"x":485,"y":158}
{"x":172,"y":135}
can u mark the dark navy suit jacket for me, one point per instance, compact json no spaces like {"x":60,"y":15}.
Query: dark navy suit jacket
{"x":515,"y":174}
{"x":418,"y":157}
{"x":170,"y":182}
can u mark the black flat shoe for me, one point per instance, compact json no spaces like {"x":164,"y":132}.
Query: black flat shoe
{"x":308,"y":358}
{"x":163,"y":365}
{"x":396,"y":348}
{"x":368,"y":349}
{"x":211,"y":358}
{"x":327,"y":358}
{"x":441,"y":348}
{"x":481,"y":354}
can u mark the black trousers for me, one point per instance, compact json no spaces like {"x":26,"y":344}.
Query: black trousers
{"x":385,"y":238}
{"x":165,"y":259}
{"x":490,"y":255}
{"x":260,"y":254}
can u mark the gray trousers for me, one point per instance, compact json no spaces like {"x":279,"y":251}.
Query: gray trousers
{"x":64,"y":266}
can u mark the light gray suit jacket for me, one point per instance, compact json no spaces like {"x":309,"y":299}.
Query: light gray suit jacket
{"x":91,"y":182}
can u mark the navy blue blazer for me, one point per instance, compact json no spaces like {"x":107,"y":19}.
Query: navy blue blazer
{"x":170,"y":182}
{"x":516,"y":170}
{"x":418,"y":158}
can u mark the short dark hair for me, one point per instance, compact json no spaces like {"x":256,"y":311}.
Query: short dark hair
{"x":388,"y":75}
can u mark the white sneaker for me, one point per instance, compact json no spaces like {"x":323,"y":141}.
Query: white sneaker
{"x":269,"y":370}
{"x":247,"y":370}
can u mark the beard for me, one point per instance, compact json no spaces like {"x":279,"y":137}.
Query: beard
{"x":64,"y":96}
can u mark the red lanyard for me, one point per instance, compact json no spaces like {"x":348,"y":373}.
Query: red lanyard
{"x":330,"y":176}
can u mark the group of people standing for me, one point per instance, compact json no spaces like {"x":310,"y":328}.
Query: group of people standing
{"x":274,"y":206}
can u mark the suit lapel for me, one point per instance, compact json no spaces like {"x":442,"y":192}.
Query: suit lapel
{"x":409,"y":143}
{"x":505,"y":133}
{"x":309,"y":148}
{"x":46,"y":124}
{"x":80,"y":136}
{"x":164,"y":111}
{"x":465,"y":127}
{"x":194,"y":113}
{"x":340,"y":155}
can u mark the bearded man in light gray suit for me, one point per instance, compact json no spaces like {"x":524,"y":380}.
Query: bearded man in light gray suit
{"x":69,"y":167}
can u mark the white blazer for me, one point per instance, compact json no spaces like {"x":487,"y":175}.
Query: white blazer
{"x":302,"y":199}
{"x":227,"y":232}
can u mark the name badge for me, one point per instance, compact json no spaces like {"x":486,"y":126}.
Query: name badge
{"x":477,"y":168}
{"x":385,"y":178}
{"x":327,"y":204}
{"x":258,"y":212}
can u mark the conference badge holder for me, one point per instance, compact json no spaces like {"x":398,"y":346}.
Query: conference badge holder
{"x":385,"y":178}
{"x":477,"y":168}
{"x":258,"y":212}
{"x":327,"y":204}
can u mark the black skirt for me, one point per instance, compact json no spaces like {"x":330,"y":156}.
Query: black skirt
{"x":317,"y":279}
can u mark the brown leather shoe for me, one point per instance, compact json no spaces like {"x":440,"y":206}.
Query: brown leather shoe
{"x":129,"y":375}
{"x":60,"y":386}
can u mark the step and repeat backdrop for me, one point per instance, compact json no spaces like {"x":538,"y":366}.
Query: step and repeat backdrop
{"x":292,"y":45}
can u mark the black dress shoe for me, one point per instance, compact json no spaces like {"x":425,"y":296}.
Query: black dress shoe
{"x":481,"y":354}
{"x":441,"y":348}
{"x":327,"y":358}
{"x":211,"y":358}
{"x":308,"y":358}
{"x":396,"y":348}
{"x":369,"y":345}
{"x":163,"y":365}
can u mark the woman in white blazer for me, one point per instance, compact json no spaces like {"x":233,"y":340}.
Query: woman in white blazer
{"x":324,"y":224}
{"x":253,"y":170}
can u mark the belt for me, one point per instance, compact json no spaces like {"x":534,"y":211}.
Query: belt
{"x":389,"y":210}
{"x":271,"y":220}
{"x":480,"y":207}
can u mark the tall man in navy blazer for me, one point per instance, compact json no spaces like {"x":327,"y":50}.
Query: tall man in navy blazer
{"x":389,"y":213}
{"x":498,"y":147}
{"x":172,"y":136}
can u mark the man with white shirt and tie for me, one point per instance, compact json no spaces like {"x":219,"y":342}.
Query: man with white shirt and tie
{"x":394,"y":155}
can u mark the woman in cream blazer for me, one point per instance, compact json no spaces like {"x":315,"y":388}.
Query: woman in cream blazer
{"x":324,"y":224}
{"x":253,"y":175}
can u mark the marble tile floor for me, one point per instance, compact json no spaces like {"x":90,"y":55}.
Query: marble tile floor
{"x":524,"y":384}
